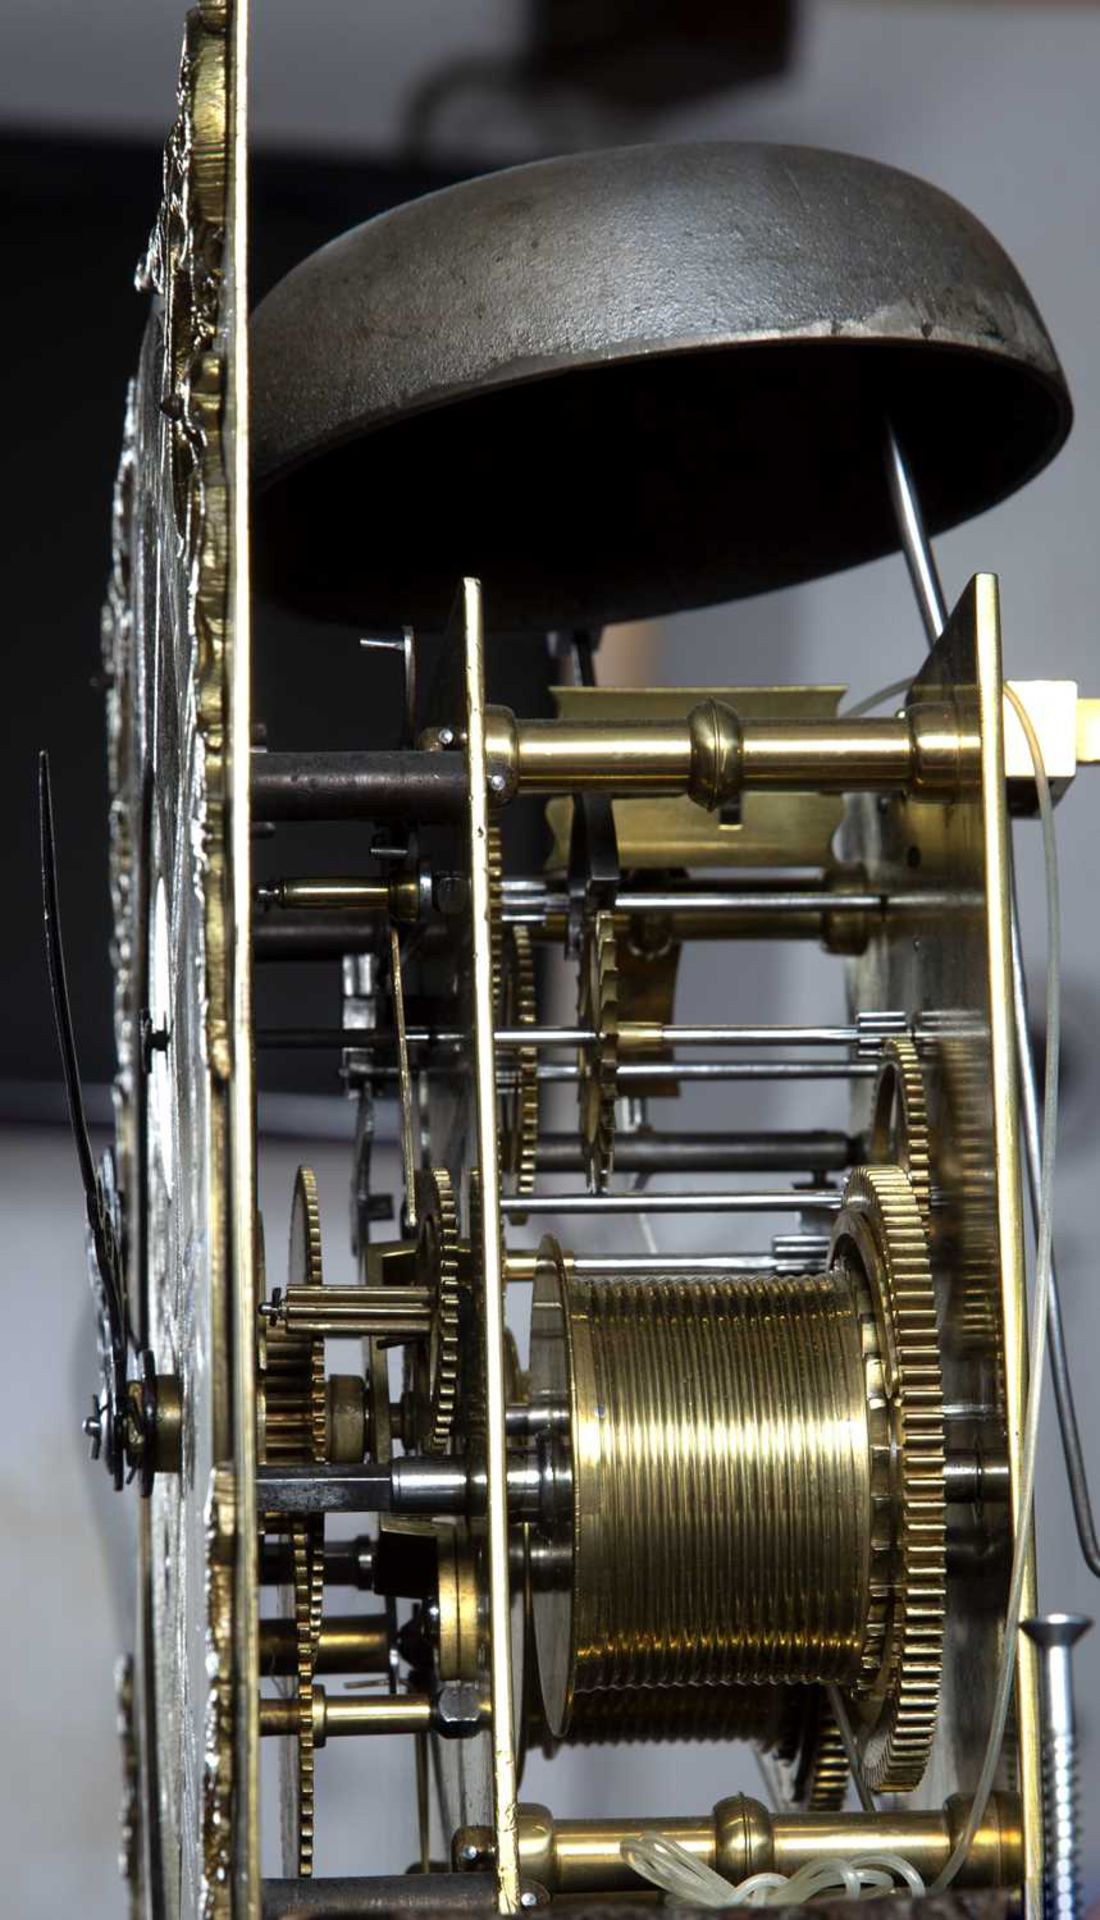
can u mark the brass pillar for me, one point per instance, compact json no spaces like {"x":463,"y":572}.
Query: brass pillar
{"x":741,"y":1837}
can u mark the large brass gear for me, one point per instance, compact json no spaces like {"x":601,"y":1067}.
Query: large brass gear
{"x":598,"y":1064}
{"x":294,"y":1430}
{"x":435,"y":1364}
{"x":880,"y":1236}
{"x":899,"y":1133}
{"x":519,"y":1111}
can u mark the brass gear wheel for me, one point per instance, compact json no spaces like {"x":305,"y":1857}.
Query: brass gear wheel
{"x":473,"y":1359}
{"x":306,"y":1542}
{"x":495,"y":854}
{"x":879,"y":1237}
{"x":598,"y":1064}
{"x":899,"y":1120}
{"x":305,"y":1269}
{"x":821,"y":1775}
{"x":831,"y":1774}
{"x":435,"y":1363}
{"x":519,"y":1113}
{"x":294,"y":1430}
{"x":293,"y":1409}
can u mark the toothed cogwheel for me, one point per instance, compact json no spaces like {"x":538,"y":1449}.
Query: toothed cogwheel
{"x":294,"y":1430}
{"x":598,"y":1009}
{"x":519,"y":1107}
{"x":816,"y":1774}
{"x":297,"y":1755}
{"x":899,"y":1119}
{"x":305,"y":1269}
{"x":828,"y":1773}
{"x":495,"y":859}
{"x":293,"y":1409}
{"x":880,"y":1238}
{"x":434,"y":1363}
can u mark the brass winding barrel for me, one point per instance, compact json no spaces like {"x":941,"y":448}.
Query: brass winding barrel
{"x":773,"y":1718}
{"x":723,"y":1507}
{"x":754,"y":1475}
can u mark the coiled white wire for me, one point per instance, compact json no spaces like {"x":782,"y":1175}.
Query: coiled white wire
{"x":668,"y":1865}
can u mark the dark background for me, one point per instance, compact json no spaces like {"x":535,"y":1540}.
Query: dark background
{"x":76,"y":216}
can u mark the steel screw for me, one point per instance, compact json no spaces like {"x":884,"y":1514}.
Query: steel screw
{"x":1055,"y":1635}
{"x":92,"y":1428}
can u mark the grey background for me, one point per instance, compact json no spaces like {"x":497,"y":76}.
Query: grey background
{"x":998,"y":106}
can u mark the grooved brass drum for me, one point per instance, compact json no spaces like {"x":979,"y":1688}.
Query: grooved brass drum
{"x":773,"y":1718}
{"x":737,"y":1518}
{"x":721,"y":1466}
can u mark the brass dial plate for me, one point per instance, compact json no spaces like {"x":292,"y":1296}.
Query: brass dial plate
{"x":174,"y":637}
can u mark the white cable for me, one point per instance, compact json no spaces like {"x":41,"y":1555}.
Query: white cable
{"x":1040,"y":1303}
{"x":874,"y":700}
{"x":756,"y":1891}
{"x":645,"y":1227}
{"x":668,"y":1865}
{"x":904,"y":1870}
{"x":818,"y":1876}
{"x":768,"y":1769}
